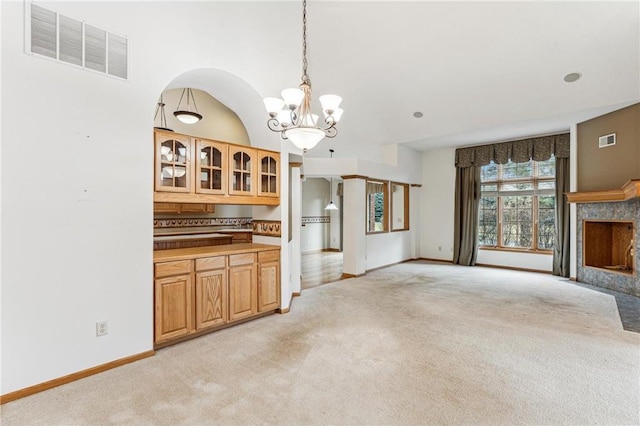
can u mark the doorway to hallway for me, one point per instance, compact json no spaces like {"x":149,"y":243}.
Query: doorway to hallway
{"x":320,"y":267}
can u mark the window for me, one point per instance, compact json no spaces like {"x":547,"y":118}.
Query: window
{"x":377,"y":206}
{"x":517,"y":205}
{"x":399,"y":206}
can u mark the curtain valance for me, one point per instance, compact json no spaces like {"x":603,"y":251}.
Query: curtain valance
{"x":521,"y":151}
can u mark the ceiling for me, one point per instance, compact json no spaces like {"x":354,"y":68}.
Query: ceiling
{"x":478,"y":71}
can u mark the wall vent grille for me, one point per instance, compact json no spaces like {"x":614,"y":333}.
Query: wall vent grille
{"x":56,"y":36}
{"x":607,"y":140}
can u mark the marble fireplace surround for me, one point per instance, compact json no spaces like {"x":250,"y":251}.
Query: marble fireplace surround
{"x":614,"y":205}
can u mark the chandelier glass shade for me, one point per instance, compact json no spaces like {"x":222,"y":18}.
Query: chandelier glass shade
{"x":186,"y":115}
{"x":292,"y":116}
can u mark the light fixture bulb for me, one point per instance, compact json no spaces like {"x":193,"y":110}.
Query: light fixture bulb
{"x":292,"y":96}
{"x":273,"y":105}
{"x":188,"y":117}
{"x":304,"y":138}
{"x":330,"y":102}
{"x":331,"y":206}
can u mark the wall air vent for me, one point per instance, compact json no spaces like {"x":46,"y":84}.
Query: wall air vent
{"x":607,"y":140}
{"x":52,"y":35}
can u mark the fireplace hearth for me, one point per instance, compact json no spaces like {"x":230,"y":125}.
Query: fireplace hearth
{"x":608,"y":245}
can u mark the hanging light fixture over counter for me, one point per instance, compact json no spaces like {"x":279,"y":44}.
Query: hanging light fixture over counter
{"x":292,"y":115}
{"x":331,"y":205}
{"x":186,"y":115}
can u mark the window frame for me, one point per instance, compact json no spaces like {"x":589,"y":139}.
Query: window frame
{"x":385,"y":206}
{"x":535,"y":193}
{"x":405,"y":212}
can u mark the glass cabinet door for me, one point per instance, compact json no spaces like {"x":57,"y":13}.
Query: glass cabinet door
{"x":242,"y":171}
{"x":211,"y":163}
{"x":269,"y":179}
{"x":173,"y":172}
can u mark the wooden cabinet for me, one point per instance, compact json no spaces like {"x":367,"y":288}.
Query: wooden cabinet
{"x":201,"y":171}
{"x":242,"y":171}
{"x":172,"y":162}
{"x":243,"y":286}
{"x":209,"y":291}
{"x":173,"y":305}
{"x":268,"y":174}
{"x":183,"y":208}
{"x":211,"y":167}
{"x":268,"y":280}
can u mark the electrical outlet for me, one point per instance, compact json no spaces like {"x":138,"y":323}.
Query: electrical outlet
{"x":102,"y":328}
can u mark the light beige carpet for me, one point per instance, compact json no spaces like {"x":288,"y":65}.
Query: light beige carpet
{"x":415,"y":343}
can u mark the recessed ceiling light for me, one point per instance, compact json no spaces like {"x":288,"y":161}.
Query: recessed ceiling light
{"x":571,"y":77}
{"x":418,"y":114}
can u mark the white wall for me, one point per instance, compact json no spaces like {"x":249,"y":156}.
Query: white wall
{"x":78,"y":213}
{"x":387,"y":248}
{"x":438,"y":204}
{"x":315,"y":196}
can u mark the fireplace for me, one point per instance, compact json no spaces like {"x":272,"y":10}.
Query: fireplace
{"x":608,"y":249}
{"x":609,"y":245}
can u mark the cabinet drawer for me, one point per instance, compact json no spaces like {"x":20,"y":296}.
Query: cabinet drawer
{"x":207,"y":263}
{"x":166,"y":269}
{"x":269,"y":256}
{"x":242,"y":259}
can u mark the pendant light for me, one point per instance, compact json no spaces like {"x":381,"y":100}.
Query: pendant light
{"x":186,"y":115}
{"x":163,"y":117}
{"x":331,"y":206}
{"x":291,"y":115}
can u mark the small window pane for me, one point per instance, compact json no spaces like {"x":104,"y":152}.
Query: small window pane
{"x":489,"y":172}
{"x":70,"y":40}
{"x":517,"y":227}
{"x":546,"y":221}
{"x":547,"y":168}
{"x":95,"y":48}
{"x":488,"y":221}
{"x":117,"y":56}
{"x":516,"y":170}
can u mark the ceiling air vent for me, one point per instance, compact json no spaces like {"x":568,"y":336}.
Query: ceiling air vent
{"x":607,"y":140}
{"x":75,"y":42}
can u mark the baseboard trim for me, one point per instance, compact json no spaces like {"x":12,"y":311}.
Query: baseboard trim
{"x":12,"y":396}
{"x":514,"y":268}
{"x":430,"y":259}
{"x":346,"y":276}
{"x":335,"y":250}
{"x":296,"y":294}
{"x":573,"y":279}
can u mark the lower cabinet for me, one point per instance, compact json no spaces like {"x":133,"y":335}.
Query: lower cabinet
{"x":268,"y":280}
{"x":243,"y":286}
{"x":211,"y":297}
{"x":208,"y":292}
{"x":173,"y":307}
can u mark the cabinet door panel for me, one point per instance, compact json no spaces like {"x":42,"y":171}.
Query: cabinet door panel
{"x":242,"y":292}
{"x":211,"y":167}
{"x":173,"y":315}
{"x":268,"y":174}
{"x":242,"y":171}
{"x":269,"y":286}
{"x":211,"y":298}
{"x":173,"y":162}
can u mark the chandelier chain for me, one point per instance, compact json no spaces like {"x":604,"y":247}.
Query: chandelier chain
{"x":305,"y":76}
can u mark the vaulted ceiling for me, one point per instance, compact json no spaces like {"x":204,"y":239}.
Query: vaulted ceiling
{"x":477,"y":71}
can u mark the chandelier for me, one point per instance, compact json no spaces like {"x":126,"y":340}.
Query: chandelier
{"x":292,"y":115}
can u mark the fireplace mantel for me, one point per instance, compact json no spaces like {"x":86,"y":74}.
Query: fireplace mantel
{"x":629,"y":190}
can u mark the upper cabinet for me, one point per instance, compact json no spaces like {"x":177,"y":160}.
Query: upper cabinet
{"x":269,"y":174}
{"x":211,"y":160}
{"x":242,"y":170}
{"x":195,"y":170}
{"x":173,"y":155}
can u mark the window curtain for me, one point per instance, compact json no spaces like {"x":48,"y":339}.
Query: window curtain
{"x":467,"y":203}
{"x":467,"y":197}
{"x":561,"y":243}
